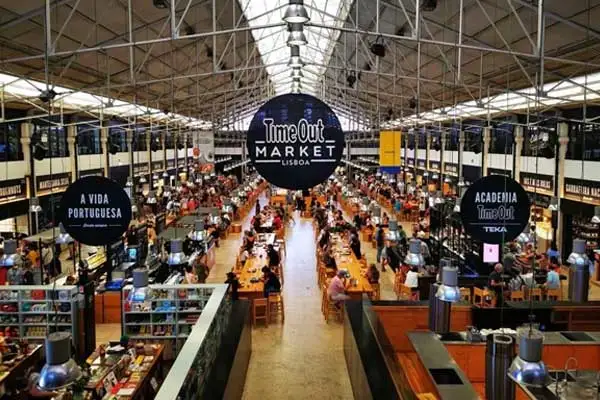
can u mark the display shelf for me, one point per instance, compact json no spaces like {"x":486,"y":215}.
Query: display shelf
{"x":146,"y":316}
{"x":37,"y":310}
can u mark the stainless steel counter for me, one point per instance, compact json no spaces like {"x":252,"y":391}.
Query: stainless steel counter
{"x":434,"y":356}
{"x":550,"y":338}
{"x":580,"y":385}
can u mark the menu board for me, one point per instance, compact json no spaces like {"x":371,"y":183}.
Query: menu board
{"x":47,"y":184}
{"x":538,"y":183}
{"x":582,"y":190}
{"x":12,"y":190}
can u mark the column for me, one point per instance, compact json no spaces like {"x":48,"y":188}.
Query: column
{"x":487,"y":139}
{"x":72,"y":145}
{"x":185,"y":151}
{"x":443,"y":141}
{"x":129,"y":138}
{"x":163,"y":143}
{"x":517,"y":154}
{"x":26,"y":131}
{"x":104,"y":144}
{"x":427,"y":150}
{"x":563,"y":143}
{"x":461,"y":149}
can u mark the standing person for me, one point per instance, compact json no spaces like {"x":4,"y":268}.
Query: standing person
{"x":202,"y":270}
{"x":190,"y":277}
{"x":373,"y":274}
{"x":234,"y":285}
{"x":257,"y":207}
{"x":391,"y":256}
{"x":47,"y":260}
{"x":497,"y":284}
{"x":380,"y":242}
{"x":355,"y":244}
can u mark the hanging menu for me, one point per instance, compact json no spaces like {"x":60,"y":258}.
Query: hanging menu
{"x":141,"y":169}
{"x":12,"y":190}
{"x":451,"y":169}
{"x":421,"y":164}
{"x":543,"y":184}
{"x":157,"y":166}
{"x":582,"y":191}
{"x":434,"y":166}
{"x":47,"y":184}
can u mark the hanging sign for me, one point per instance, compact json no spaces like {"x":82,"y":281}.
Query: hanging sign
{"x":500,"y":172}
{"x":95,"y":210}
{"x":171,"y":164}
{"x":92,"y":172}
{"x":495,"y":209}
{"x":538,"y":183}
{"x":204,"y":146}
{"x":390,"y":143}
{"x":11,"y":190}
{"x":295,"y":141}
{"x":141,"y":169}
{"x":451,"y":169}
{"x":582,"y":191}
{"x":411,"y":162}
{"x":157,"y":166}
{"x":434,"y":166}
{"x":421,"y":164}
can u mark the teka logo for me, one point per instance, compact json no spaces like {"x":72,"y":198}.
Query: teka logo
{"x":495,"y":229}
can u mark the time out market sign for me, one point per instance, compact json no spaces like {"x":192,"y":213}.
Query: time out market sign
{"x":295,"y":141}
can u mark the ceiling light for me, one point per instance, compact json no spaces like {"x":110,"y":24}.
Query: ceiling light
{"x":63,"y":237}
{"x":525,"y":237}
{"x":198,"y":233}
{"x":10,"y":257}
{"x":428,"y":5}
{"x":596,"y":217}
{"x":296,"y":36}
{"x":527,"y":367}
{"x":60,"y":370}
{"x":162,"y":4}
{"x":578,"y":256}
{"x":351,"y":79}
{"x":414,"y":257}
{"x":176,"y":256}
{"x":34,"y":205}
{"x":449,"y":290}
{"x":378,"y":47}
{"x":553,"y":206}
{"x":439,"y":198}
{"x":151,"y":198}
{"x":296,"y":13}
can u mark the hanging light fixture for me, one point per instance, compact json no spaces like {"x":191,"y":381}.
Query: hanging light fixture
{"x":176,"y":256}
{"x":449,"y":290}
{"x":165,"y":175}
{"x":439,"y":198}
{"x":295,"y":60}
{"x":63,"y":236}
{"x":10,"y":257}
{"x":60,"y":370}
{"x":525,"y":237}
{"x":296,"y":13}
{"x":151,"y":198}
{"x":198,"y":233}
{"x":143,"y":179}
{"x":462,"y":191}
{"x":296,"y":36}
{"x":578,"y":257}
{"x":527,"y":367}
{"x":435,"y":176}
{"x":553,"y":206}
{"x":425,"y":174}
{"x":596,"y":217}
{"x":447,"y":179}
{"x":167,"y":192}
{"x":155,"y":176}
{"x":461,"y":182}
{"x":34,"y":205}
{"x":414,"y":257}
{"x":129,"y":182}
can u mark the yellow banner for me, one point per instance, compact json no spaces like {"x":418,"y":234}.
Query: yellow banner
{"x":389,"y":148}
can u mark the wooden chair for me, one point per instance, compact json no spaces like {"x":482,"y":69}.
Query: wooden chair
{"x":376,"y":294}
{"x":329,"y":308}
{"x":554,"y":294}
{"x":260,"y":311}
{"x":282,"y":249}
{"x":322,"y":274}
{"x":404,"y":292}
{"x":465,"y":295}
{"x":535,"y":294}
{"x":517,"y":295}
{"x":276,"y":306}
{"x":478,"y":296}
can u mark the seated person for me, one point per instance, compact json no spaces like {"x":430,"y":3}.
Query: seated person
{"x":244,"y":256}
{"x":527,"y":277}
{"x":412,"y":279}
{"x":277,"y":222}
{"x":329,"y":260}
{"x":337,"y":288}
{"x":373,"y":274}
{"x":355,"y":244}
{"x":273,"y":256}
{"x":553,"y":278}
{"x":271,"y":282}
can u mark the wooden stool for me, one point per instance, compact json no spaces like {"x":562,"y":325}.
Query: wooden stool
{"x":257,"y":306}
{"x":330,"y":308}
{"x":478,"y":296}
{"x":535,"y":294}
{"x":376,"y":294}
{"x":517,"y":295}
{"x":236,"y":228}
{"x":276,"y":306}
{"x":554,"y":294}
{"x":465,"y":294}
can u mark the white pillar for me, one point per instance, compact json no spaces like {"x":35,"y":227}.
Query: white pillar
{"x":518,"y":151}
{"x":461,"y":146}
{"x":72,"y":145}
{"x":563,"y":143}
{"x":105,"y":156}
{"x":427,"y":150}
{"x":487,"y":139}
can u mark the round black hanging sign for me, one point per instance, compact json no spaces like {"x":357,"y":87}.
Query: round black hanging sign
{"x":295,"y":141}
{"x":95,"y":210}
{"x":495,"y":209}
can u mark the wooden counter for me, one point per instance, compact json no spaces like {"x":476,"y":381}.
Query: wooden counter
{"x":252,"y":269}
{"x":350,"y":263}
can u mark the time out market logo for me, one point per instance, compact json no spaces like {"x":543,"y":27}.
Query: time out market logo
{"x":295,"y":141}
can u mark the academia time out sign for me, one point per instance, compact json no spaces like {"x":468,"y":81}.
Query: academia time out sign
{"x":95,"y":210}
{"x":495,"y":209}
{"x":295,"y":141}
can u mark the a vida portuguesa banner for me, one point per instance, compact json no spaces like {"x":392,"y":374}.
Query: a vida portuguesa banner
{"x":495,"y":209}
{"x":95,"y":210}
{"x":295,"y":141}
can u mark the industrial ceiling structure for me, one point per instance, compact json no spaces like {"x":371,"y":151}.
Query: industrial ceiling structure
{"x":209,"y":64}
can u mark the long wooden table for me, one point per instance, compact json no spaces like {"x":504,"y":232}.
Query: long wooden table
{"x":253,"y":269}
{"x":345,"y":259}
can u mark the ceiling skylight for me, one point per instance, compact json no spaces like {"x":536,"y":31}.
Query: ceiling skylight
{"x":272,"y":44}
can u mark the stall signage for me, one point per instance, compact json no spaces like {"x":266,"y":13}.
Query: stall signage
{"x":580,"y":190}
{"x":51,"y":183}
{"x":495,"y":209}
{"x":421,"y":164}
{"x":92,"y":172}
{"x":533,"y":182}
{"x":295,"y":141}
{"x":434,"y":166}
{"x":171,"y":164}
{"x":140,"y":169}
{"x":181,"y":163}
{"x":411,"y":162}
{"x":13,"y":189}
{"x":451,"y":169}
{"x":157,"y":166}
{"x":95,"y":211}
{"x":501,"y":172}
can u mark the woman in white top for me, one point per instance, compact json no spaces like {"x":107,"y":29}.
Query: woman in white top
{"x":412,"y":281}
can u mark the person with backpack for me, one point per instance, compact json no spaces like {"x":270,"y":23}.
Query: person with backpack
{"x":379,"y":241}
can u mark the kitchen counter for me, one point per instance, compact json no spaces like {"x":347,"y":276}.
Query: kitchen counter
{"x":434,"y":356}
{"x":550,"y":339}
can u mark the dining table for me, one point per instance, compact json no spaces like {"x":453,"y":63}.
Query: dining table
{"x":250,"y":274}
{"x":346,"y":260}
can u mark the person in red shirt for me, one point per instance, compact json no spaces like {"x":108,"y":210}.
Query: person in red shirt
{"x":277,"y":223}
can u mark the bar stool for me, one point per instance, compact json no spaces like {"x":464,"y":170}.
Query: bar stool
{"x":276,"y":306}
{"x":262,"y":306}
{"x":478,"y":296}
{"x":517,"y":295}
{"x":554,"y":294}
{"x":376,"y":294}
{"x":329,"y":308}
{"x":535,"y":294}
{"x":465,"y":294}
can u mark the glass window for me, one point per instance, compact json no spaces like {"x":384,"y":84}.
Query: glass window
{"x":170,"y":141}
{"x":502,"y":138}
{"x":540,"y":140}
{"x":53,"y":137}
{"x":139,"y":139}
{"x":10,"y":142}
{"x":584,"y":142}
{"x":118,"y":137}
{"x":88,"y":139}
